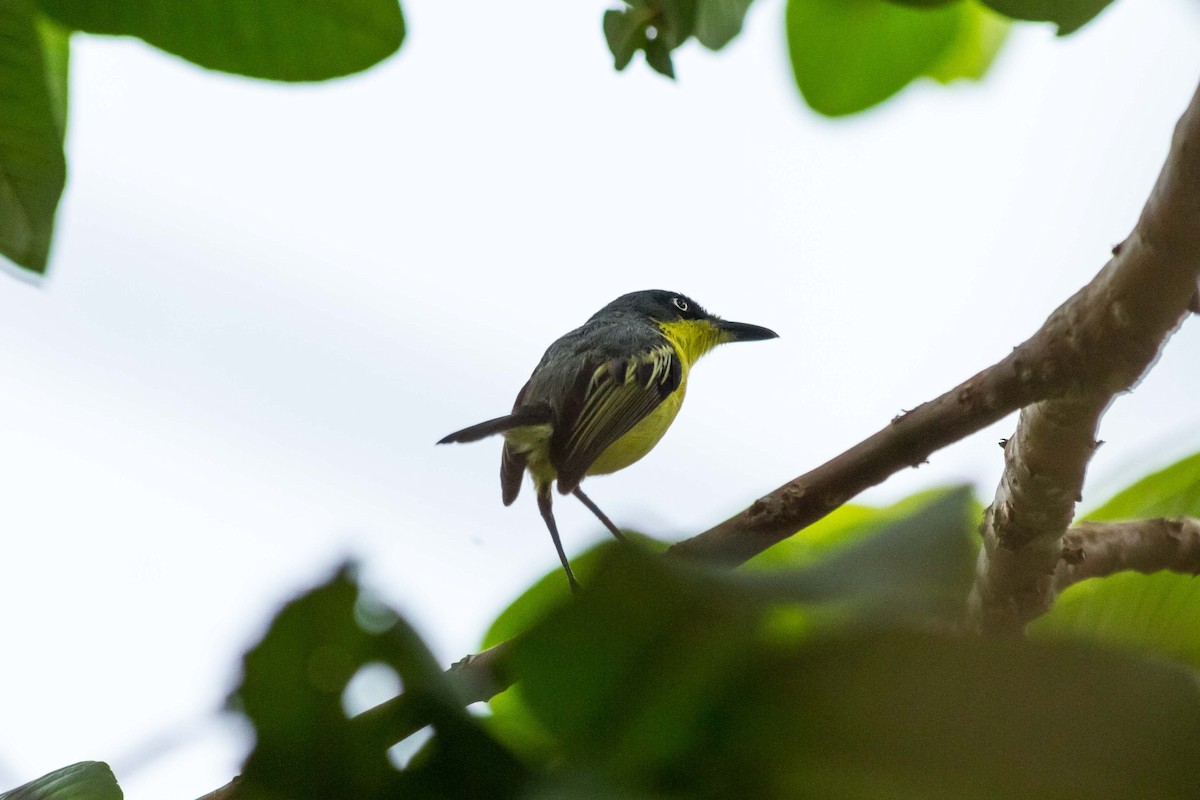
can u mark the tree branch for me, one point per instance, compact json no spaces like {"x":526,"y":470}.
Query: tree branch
{"x":1121,"y":321}
{"x":1097,"y":549}
{"x":473,"y":678}
{"x":1045,"y":462}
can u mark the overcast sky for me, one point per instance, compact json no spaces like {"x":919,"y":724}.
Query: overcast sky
{"x":267,"y":302}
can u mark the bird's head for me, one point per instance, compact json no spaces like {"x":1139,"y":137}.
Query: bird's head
{"x":690,"y":328}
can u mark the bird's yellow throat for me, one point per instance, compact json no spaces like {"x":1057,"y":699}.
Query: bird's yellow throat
{"x":692,"y":338}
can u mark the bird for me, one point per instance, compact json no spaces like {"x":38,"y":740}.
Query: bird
{"x":602,"y":397}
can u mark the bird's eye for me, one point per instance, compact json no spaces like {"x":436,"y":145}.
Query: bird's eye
{"x":680,"y":303}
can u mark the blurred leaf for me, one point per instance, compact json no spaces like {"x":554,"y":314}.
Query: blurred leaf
{"x":512,"y":723}
{"x":1069,"y":15}
{"x":719,"y":21}
{"x":917,"y":555}
{"x":981,"y":34}
{"x":629,"y":643}
{"x":658,"y":56}
{"x":1172,"y":492}
{"x":1151,"y":613}
{"x":658,"y":679}
{"x":915,"y":559}
{"x":56,"y":51}
{"x":551,"y":591}
{"x":284,"y":40}
{"x":87,"y":780}
{"x":308,"y":749}
{"x":848,"y":55}
{"x":625,"y":32}
{"x":849,"y":524}
{"x":32,"y":168}
{"x":657,"y":27}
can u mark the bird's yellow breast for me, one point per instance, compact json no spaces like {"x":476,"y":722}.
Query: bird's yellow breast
{"x":642,"y":437}
{"x":690,"y":339}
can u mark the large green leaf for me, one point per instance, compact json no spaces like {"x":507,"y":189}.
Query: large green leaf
{"x":1171,"y":492}
{"x":981,"y":34}
{"x":853,"y":523}
{"x":1069,"y":15}
{"x":848,"y":55}
{"x":916,"y":556}
{"x":916,"y":562}
{"x":549,"y":592}
{"x":308,"y":748}
{"x":56,"y":50}
{"x":659,"y":678}
{"x":87,"y":780}
{"x":32,"y":168}
{"x":286,"y":40}
{"x":1152,"y":613}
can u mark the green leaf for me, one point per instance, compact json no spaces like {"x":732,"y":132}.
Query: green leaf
{"x":514,"y":725}
{"x":658,"y":56}
{"x":658,"y":677}
{"x":32,"y":168}
{"x":550,"y":592}
{"x":981,"y":34}
{"x":87,"y":780}
{"x":848,"y":55}
{"x":657,"y":27}
{"x":284,"y":40}
{"x":916,"y":556}
{"x":1150,"y":613}
{"x":307,"y":748}
{"x":1172,"y":492}
{"x":914,"y":560}
{"x":638,"y":622}
{"x":850,"y":524}
{"x":1069,"y":15}
{"x":625,"y":32}
{"x":919,"y":565}
{"x":56,"y":50}
{"x":719,"y":21}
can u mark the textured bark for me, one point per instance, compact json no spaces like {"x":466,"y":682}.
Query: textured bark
{"x":1044,"y":469}
{"x":1120,"y":322}
{"x":1097,"y":549}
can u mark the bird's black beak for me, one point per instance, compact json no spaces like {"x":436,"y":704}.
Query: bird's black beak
{"x":744,"y":331}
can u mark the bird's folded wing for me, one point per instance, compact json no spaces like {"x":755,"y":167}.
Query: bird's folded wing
{"x":610,"y":398}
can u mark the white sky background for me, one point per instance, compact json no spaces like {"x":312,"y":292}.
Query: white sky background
{"x":267,"y":302}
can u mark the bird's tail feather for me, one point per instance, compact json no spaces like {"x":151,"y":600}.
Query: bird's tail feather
{"x":533,"y":415}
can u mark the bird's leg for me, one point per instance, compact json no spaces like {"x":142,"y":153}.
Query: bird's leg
{"x":587,"y":501}
{"x":543,"y":499}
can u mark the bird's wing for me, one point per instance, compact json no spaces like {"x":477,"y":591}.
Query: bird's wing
{"x":609,"y":397}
